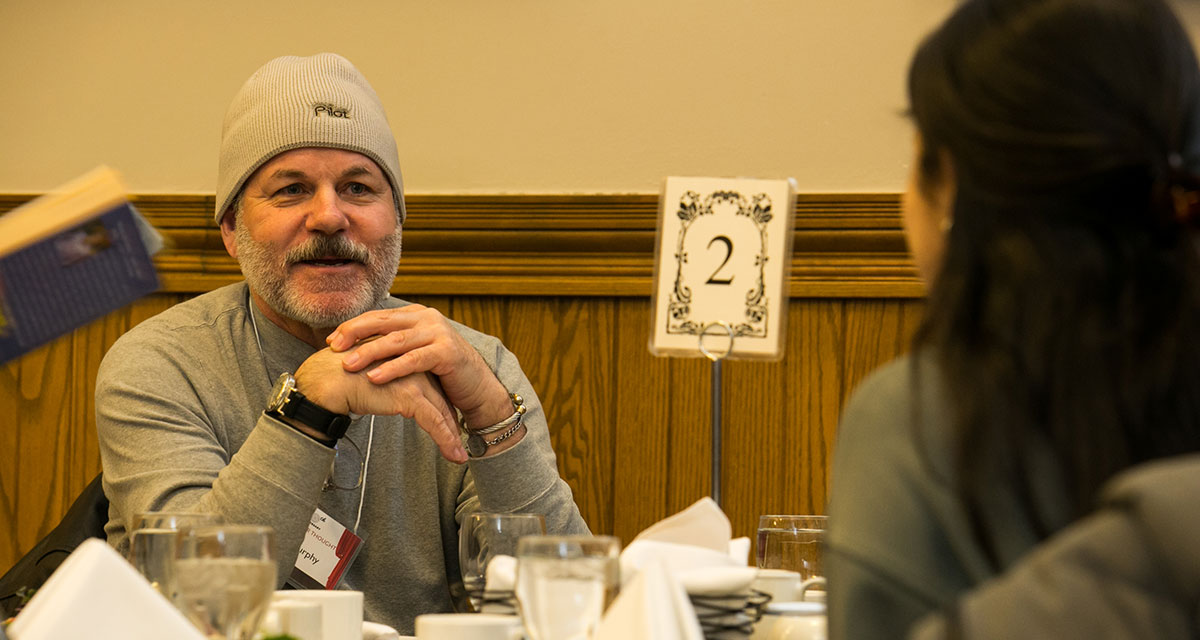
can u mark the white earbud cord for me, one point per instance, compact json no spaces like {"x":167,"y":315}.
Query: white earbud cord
{"x":370,"y":432}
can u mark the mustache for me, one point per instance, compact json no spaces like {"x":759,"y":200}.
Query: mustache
{"x":328,"y":247}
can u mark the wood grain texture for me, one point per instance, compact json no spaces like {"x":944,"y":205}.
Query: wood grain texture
{"x":844,"y":245}
{"x":630,"y":430}
{"x":642,"y":426}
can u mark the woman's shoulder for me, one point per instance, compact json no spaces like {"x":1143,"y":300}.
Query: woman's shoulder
{"x":894,"y":520}
{"x":903,"y":395}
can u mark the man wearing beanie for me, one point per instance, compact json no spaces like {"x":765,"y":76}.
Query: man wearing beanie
{"x":307,"y":394}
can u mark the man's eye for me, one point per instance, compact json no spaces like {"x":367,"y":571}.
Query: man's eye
{"x":290,"y":190}
{"x":358,"y":189}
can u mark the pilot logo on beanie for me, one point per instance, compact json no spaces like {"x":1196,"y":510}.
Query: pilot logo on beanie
{"x":330,"y":110}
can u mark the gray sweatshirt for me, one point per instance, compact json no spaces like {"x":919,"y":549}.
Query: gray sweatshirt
{"x":179,"y":410}
{"x":901,"y":548}
{"x":1129,"y":570}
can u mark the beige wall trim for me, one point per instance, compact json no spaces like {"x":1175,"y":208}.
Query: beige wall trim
{"x":845,"y":245}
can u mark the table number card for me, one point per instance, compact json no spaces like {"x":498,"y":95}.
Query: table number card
{"x":723,"y":255}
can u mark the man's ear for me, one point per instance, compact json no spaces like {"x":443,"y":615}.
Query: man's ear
{"x":227,"y":232}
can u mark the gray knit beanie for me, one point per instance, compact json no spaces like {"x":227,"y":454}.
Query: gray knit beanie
{"x":293,"y":102}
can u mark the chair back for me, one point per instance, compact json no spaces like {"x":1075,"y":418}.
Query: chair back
{"x":85,"y":519}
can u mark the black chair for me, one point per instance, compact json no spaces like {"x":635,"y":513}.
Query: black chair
{"x":85,"y":519}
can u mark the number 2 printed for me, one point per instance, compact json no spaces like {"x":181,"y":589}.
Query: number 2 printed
{"x":713,"y":279}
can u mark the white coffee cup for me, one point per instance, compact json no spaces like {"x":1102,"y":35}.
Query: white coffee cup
{"x":807,"y":591}
{"x":341,"y":611}
{"x":792,"y":621}
{"x":301,"y":620}
{"x":468,"y":626}
{"x":782,"y":585}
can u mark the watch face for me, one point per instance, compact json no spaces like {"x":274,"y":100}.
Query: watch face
{"x":284,"y":385}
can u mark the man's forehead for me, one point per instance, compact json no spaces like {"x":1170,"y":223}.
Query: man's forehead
{"x":308,"y":161}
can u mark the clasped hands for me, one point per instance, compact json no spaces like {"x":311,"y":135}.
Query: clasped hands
{"x":407,"y":361}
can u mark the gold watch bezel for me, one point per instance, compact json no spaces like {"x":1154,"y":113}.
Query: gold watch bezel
{"x":285,"y":384}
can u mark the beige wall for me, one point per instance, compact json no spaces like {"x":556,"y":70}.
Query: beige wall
{"x":550,"y":96}
{"x":530,"y":96}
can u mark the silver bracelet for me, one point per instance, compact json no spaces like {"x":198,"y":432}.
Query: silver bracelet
{"x":507,"y":434}
{"x":518,"y":411}
{"x":477,"y":445}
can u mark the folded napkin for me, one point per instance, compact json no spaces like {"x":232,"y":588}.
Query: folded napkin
{"x":695,"y":549}
{"x":717,"y":581}
{"x":687,"y":554}
{"x":501,"y":574}
{"x":96,"y":594}
{"x":703,"y":524}
{"x":651,"y":605}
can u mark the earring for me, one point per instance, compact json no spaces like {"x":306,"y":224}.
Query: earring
{"x":946,"y":224}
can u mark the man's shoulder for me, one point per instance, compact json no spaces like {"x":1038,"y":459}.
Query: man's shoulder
{"x":185,"y":323}
{"x":204,"y":310}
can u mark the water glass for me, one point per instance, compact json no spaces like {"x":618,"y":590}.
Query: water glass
{"x":152,"y":544}
{"x":792,"y":543}
{"x":224,"y":578}
{"x":483,"y":537}
{"x":564,"y":583}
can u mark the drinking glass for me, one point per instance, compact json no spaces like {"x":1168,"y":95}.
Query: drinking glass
{"x":152,"y":544}
{"x":483,"y":537}
{"x":224,"y":578}
{"x":792,"y":543}
{"x":564,"y":584}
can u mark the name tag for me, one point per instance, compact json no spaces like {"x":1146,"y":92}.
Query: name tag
{"x":329,"y":548}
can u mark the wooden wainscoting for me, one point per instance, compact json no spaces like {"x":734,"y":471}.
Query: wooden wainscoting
{"x":565,"y":282}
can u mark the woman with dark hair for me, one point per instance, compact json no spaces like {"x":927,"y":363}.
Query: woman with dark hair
{"x":998,"y":475}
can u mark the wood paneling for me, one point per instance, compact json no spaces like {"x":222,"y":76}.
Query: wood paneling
{"x":631,"y":430}
{"x":845,"y":245}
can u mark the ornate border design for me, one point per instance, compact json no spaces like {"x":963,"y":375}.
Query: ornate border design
{"x":679,"y":309}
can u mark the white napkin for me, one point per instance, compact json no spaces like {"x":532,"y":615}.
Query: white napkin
{"x":695,"y":549}
{"x":652,"y":605}
{"x":96,"y":594}
{"x":701,"y":525}
{"x":501,"y":574}
{"x":717,"y":581}
{"x":675,"y":558}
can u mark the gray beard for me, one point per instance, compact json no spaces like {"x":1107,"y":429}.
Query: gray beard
{"x":266,"y":274}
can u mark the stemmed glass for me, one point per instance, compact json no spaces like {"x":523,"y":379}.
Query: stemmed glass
{"x":564,"y":583}
{"x":224,"y":578}
{"x":152,"y":544}
{"x":484,"y":537}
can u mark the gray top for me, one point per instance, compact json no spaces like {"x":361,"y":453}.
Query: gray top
{"x":179,"y":410}
{"x":1129,"y":570}
{"x":900,"y":543}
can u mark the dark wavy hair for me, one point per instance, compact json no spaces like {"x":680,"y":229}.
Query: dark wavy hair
{"x":1067,"y":304}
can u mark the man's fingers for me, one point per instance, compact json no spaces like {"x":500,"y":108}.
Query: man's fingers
{"x":390,"y":345}
{"x":373,"y":323}
{"x":440,"y":425}
{"x":417,"y":361}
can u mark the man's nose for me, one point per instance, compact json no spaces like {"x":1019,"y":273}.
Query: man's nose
{"x":326,"y":214}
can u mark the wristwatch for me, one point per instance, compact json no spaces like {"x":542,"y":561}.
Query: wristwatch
{"x":287,"y":401}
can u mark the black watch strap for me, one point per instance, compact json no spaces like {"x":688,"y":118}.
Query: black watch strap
{"x":288,"y":401}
